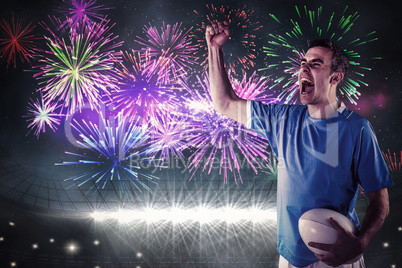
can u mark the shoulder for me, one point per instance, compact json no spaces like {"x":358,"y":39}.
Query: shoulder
{"x":356,"y":121}
{"x":279,"y":109}
{"x":361,"y":129}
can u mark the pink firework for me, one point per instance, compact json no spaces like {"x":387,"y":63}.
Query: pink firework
{"x":252,"y":88}
{"x":79,"y":69}
{"x":41,"y":114}
{"x":220,"y":142}
{"x":140,"y":92}
{"x":241,"y":50}
{"x":170,"y":48}
{"x":167,"y":136}
{"x":16,"y":38}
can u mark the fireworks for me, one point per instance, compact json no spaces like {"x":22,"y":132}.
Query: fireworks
{"x":171,"y":49}
{"x":252,"y":88}
{"x":16,"y":39}
{"x":81,"y":12}
{"x":167,"y":136}
{"x":116,"y":154}
{"x":41,"y":115}
{"x":81,"y":69}
{"x":286,"y":50}
{"x":140,"y":91}
{"x":217,"y":137}
{"x":394,"y":163}
{"x":241,"y":50}
{"x":270,"y":166}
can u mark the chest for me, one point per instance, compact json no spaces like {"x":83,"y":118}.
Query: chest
{"x":307,"y":144}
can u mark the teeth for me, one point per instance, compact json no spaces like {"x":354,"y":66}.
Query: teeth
{"x":306,"y":81}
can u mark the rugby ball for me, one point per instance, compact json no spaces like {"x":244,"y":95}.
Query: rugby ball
{"x":314,"y":226}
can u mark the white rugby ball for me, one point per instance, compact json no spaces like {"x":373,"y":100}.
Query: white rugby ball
{"x":314,"y":226}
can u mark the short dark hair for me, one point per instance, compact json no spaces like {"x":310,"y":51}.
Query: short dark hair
{"x":340,"y":61}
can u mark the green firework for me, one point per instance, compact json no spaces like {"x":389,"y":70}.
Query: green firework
{"x":285,"y":50}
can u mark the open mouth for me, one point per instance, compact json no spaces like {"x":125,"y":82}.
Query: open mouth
{"x":307,"y":86}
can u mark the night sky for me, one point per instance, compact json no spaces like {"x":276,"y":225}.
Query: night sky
{"x":380,"y":101}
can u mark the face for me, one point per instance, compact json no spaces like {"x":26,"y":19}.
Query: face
{"x":315,"y":77}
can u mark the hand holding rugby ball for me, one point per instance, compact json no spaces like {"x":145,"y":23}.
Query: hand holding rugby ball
{"x":314,"y":226}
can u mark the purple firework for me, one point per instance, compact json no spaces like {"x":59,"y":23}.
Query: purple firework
{"x":167,"y":136}
{"x":78,"y":13}
{"x":77,"y":71}
{"x":217,"y":137}
{"x":140,"y":91}
{"x":171,"y":49}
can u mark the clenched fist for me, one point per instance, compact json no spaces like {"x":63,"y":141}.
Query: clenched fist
{"x":217,"y":34}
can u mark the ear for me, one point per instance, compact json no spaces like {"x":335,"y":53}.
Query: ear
{"x":336,"y":78}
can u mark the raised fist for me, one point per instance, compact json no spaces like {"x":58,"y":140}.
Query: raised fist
{"x":217,"y":34}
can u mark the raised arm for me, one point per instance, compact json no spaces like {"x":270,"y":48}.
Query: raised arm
{"x":225,"y":100}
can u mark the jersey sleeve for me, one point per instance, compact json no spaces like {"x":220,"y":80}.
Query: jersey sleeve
{"x":263,"y":118}
{"x":370,"y":168}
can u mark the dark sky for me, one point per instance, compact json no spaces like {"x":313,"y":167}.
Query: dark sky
{"x":380,"y":102}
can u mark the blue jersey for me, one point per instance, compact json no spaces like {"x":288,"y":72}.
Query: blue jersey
{"x":321,"y":163}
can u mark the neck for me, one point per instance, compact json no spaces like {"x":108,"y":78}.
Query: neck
{"x":323,"y":111}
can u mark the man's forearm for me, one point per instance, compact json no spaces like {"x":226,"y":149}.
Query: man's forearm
{"x":224,"y":98}
{"x":376,"y":213}
{"x":221,"y":89}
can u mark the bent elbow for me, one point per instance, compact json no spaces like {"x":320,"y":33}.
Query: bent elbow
{"x":387,"y":211}
{"x":221,"y":108}
{"x":386,"y":205}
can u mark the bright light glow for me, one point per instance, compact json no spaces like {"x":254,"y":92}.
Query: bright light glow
{"x":72,"y":247}
{"x":98,"y":216}
{"x":139,"y":255}
{"x":11,"y":223}
{"x":1,"y":238}
{"x":125,"y":216}
{"x":177,"y":215}
{"x":399,"y":228}
{"x":259,"y":216}
{"x":13,"y":264}
{"x":385,"y":244}
{"x":96,"y":242}
{"x":51,"y":240}
{"x":35,"y":246}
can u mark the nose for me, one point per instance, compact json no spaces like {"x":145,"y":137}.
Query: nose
{"x":304,"y":68}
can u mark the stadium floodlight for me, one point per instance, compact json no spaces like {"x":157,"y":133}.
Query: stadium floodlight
{"x":202,"y":215}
